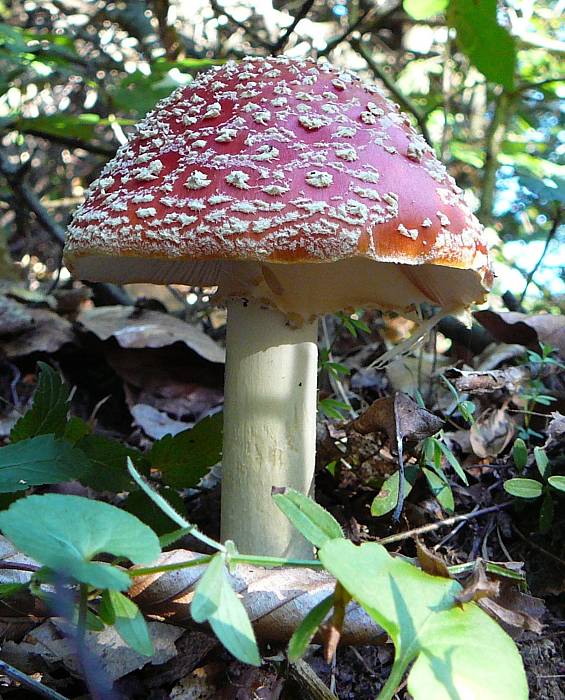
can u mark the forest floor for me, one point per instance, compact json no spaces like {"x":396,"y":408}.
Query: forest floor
{"x":140,"y":372}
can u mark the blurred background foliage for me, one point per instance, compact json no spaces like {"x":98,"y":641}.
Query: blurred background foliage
{"x":482,"y":80}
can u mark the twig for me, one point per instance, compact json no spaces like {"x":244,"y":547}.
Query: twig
{"x":370,"y":20}
{"x":311,"y":687}
{"x":550,"y":236}
{"x":71,"y":142}
{"x":442,"y":523}
{"x":35,"y":686}
{"x":403,"y":100}
{"x":300,"y":15}
{"x":18,"y":566}
{"x":242,"y":25}
{"x":540,"y":83}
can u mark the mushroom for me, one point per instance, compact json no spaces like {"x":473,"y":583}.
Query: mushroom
{"x":298,"y":191}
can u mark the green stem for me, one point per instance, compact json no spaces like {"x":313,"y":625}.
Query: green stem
{"x":82,"y":610}
{"x":233,"y":559}
{"x":148,"y":570}
{"x":393,"y":681}
{"x":274,"y":561}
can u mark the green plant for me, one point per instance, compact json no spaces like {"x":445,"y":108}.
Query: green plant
{"x":442,"y":640}
{"x":433,"y":456}
{"x":529,"y":489}
{"x":534,"y":392}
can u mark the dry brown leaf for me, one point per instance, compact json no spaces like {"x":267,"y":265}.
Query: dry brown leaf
{"x":134,"y":328}
{"x":516,"y":611}
{"x":514,"y":327}
{"x":555,"y":429}
{"x":398,"y":413}
{"x":478,"y":585}
{"x":47,"y":334}
{"x":491,"y":433}
{"x":277,"y":600}
{"x":49,"y":642}
{"x":430,"y":562}
{"x":509,"y":379}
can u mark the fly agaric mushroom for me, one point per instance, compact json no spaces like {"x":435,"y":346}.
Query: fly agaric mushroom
{"x":298,"y":191}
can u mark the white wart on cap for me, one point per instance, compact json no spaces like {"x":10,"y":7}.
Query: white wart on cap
{"x":286,"y":181}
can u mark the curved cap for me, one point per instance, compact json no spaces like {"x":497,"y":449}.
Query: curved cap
{"x":288,"y":181}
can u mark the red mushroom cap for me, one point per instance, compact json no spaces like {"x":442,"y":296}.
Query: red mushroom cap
{"x":255,"y":173}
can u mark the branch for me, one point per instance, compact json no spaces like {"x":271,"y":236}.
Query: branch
{"x":34,"y":686}
{"x":505,"y":104}
{"x":300,"y":15}
{"x":401,"y":98}
{"x":220,"y":11}
{"x":71,"y":142}
{"x":14,"y":175}
{"x":550,"y":236}
{"x":370,"y":20}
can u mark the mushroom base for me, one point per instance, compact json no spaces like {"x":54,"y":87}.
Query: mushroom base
{"x":269,"y":427}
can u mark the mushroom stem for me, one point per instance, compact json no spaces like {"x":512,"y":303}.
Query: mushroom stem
{"x":269,"y":427}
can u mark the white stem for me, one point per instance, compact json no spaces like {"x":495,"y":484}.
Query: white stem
{"x":269,"y":427}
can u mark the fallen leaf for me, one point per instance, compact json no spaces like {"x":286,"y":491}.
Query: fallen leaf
{"x":132,"y":328}
{"x":156,"y":424}
{"x":50,"y":642}
{"x":514,"y":327}
{"x":478,"y":585}
{"x":48,"y":333}
{"x":430,"y":562}
{"x":516,"y":611}
{"x":555,"y":429}
{"x":14,"y":318}
{"x":491,"y":433}
{"x":398,"y":413}
{"x":276,"y":600}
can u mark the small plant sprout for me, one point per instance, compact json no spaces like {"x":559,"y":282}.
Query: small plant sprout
{"x":293,"y":210}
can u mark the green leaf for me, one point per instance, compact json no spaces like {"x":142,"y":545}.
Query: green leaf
{"x":387,"y":498}
{"x":542,"y":462}
{"x":309,"y":518}
{"x":49,"y":410}
{"x":39,"y":460}
{"x":76,"y":429}
{"x":66,"y":532}
{"x":157,"y":499}
{"x":452,"y":459}
{"x":108,"y":463}
{"x":186,"y":457}
{"x":456,"y":651}
{"x":422,"y":9}
{"x":440,"y":488}
{"x":216,"y":602}
{"x":557,"y":482}
{"x":331,"y":408}
{"x":523,"y":488}
{"x":150,"y":513}
{"x":520,"y":454}
{"x":79,"y":126}
{"x":489,"y":47}
{"x":9,"y":590}
{"x":129,"y":622}
{"x":306,"y":630}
